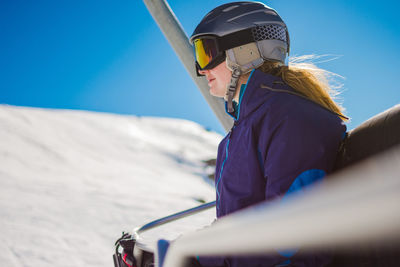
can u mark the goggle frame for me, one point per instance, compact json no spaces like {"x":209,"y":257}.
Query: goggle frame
{"x":218,"y":59}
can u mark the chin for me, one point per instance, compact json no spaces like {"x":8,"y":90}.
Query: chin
{"x":216,"y":94}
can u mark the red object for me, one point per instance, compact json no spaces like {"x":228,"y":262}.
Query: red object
{"x":124,"y":258}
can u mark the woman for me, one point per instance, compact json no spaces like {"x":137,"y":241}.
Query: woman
{"x":287,"y":129}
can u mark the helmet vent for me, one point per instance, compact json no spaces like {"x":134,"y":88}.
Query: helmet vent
{"x":269,"y":32}
{"x":229,"y":8}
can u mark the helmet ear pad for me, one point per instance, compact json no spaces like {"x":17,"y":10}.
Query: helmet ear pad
{"x":245,"y":57}
{"x":252,"y":55}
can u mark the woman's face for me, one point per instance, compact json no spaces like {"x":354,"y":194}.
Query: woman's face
{"x":218,"y":79}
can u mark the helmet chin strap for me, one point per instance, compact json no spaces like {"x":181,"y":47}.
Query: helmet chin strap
{"x":231,"y":88}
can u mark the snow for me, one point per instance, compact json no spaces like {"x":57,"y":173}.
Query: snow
{"x":72,"y":181}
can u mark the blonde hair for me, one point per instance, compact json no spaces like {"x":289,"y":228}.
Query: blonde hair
{"x":308,"y":80}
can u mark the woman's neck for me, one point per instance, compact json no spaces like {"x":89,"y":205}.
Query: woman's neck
{"x":242,"y":80}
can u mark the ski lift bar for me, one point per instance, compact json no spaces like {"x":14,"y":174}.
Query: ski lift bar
{"x":142,"y":248}
{"x":174,"y":217}
{"x":173,"y":31}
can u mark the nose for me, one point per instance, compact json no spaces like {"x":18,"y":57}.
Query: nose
{"x":203,"y":72}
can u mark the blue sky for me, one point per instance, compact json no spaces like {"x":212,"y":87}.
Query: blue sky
{"x":110,"y":56}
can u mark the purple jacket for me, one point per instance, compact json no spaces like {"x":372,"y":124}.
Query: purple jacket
{"x":280,"y":143}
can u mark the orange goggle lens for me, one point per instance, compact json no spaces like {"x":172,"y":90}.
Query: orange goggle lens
{"x":206,"y":51}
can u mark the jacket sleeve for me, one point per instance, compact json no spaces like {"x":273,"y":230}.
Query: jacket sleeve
{"x":296,"y":154}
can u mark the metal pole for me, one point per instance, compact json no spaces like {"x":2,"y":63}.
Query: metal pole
{"x":173,"y":31}
{"x":174,"y":217}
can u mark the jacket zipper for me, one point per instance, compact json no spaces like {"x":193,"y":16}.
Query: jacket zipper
{"x":223,"y":163}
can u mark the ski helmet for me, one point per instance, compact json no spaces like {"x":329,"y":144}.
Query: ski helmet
{"x":245,"y":34}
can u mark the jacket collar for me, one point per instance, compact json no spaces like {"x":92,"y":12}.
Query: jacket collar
{"x":251,"y":94}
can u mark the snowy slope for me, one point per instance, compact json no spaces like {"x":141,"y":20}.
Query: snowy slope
{"x":71,"y":181}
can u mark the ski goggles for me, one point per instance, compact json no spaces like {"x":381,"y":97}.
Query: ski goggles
{"x":207,"y":53}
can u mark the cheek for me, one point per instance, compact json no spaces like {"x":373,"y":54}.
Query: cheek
{"x":222,"y":75}
{"x":225,"y":76}
{"x":226,"y":79}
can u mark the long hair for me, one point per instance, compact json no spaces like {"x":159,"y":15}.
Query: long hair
{"x":308,"y":80}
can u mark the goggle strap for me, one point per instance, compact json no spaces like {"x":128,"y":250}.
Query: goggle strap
{"x":240,"y":38}
{"x":236,"y":39}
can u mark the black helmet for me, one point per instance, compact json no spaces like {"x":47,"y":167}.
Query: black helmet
{"x":239,"y":23}
{"x":245,"y":34}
